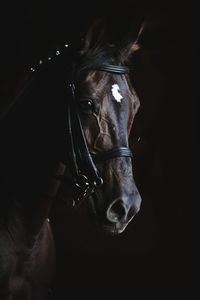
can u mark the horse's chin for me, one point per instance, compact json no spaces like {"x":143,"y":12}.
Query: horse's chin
{"x":114,"y":229}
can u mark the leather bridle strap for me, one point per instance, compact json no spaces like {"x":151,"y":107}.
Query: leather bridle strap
{"x":84,"y":168}
{"x":112,"y":153}
{"x":113,"y":69}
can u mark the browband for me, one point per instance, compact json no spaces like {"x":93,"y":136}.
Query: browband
{"x":113,"y":69}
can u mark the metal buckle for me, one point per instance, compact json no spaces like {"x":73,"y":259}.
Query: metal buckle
{"x":98,"y":183}
{"x":82,"y":182}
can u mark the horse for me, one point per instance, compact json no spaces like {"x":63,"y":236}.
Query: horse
{"x":67,"y":131}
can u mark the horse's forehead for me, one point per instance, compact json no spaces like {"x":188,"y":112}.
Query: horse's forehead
{"x":113,"y":92}
{"x":106,"y":85}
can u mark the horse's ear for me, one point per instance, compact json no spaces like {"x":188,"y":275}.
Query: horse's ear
{"x":150,"y":36}
{"x":96,"y":35}
{"x":133,"y":46}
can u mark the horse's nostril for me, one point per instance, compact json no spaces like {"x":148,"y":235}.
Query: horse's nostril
{"x":116,"y":211}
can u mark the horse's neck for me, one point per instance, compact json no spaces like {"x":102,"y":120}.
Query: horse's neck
{"x":25,"y":221}
{"x":37,"y":211}
{"x":27,"y":214}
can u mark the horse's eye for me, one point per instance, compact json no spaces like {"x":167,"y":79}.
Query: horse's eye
{"x":88,"y":105}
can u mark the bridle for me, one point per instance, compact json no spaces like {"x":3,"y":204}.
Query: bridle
{"x":81,"y":162}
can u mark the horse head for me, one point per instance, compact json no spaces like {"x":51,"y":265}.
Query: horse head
{"x":102,"y":107}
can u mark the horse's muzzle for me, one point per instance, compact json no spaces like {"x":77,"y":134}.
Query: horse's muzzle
{"x":119,"y":213}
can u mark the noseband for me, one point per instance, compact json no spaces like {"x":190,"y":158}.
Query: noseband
{"x":82,"y":162}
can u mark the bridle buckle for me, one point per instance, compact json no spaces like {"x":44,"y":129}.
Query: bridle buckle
{"x":98,"y":183}
{"x":82,"y":181}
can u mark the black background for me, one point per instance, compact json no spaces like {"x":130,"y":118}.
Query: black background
{"x":158,"y":247}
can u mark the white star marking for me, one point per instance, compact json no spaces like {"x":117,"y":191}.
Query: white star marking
{"x":116,"y":93}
